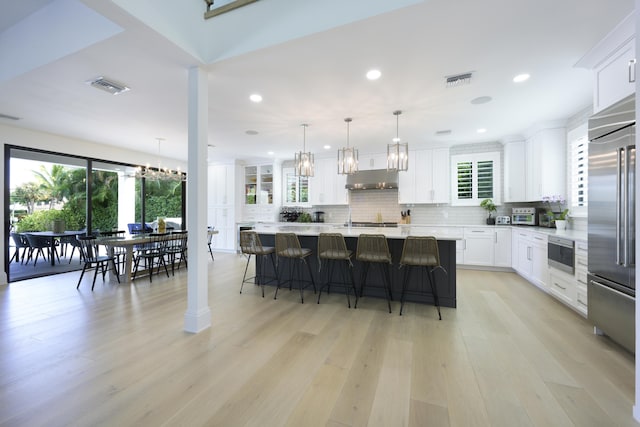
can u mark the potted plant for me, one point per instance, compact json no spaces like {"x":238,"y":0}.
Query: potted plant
{"x":490,"y":207}
{"x":556,"y":211}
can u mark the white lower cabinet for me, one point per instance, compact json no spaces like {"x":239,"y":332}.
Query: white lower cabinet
{"x":531,"y":257}
{"x":562,"y":286}
{"x":487,"y":246}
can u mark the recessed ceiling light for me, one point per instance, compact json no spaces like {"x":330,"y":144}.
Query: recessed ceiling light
{"x":521,"y":78}
{"x":373,"y":74}
{"x":270,"y":153}
{"x":251,"y":132}
{"x":256,"y":97}
{"x":481,"y":130}
{"x":481,"y":100}
{"x":327,"y":147}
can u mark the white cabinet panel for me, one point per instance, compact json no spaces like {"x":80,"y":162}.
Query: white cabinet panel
{"x":515,"y":189}
{"x":615,"y":77}
{"x":502,"y":247}
{"x":372,"y":161}
{"x":327,"y":187}
{"x":478,"y":246}
{"x":427,"y":179}
{"x":531,"y":257}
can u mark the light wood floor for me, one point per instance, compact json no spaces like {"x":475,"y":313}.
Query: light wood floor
{"x":509,"y":355}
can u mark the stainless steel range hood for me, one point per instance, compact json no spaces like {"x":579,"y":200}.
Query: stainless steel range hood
{"x":376,"y":179}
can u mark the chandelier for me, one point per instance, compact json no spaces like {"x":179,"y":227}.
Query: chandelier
{"x":160,"y":173}
{"x":397,"y":153}
{"x":347,"y":157}
{"x":304,"y":160}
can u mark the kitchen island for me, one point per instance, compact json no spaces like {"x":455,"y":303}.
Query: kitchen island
{"x":308,"y":235}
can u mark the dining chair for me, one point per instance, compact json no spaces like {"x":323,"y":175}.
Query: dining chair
{"x":92,"y":259}
{"x":38,"y":244}
{"x":176,"y":248}
{"x":118,"y":252}
{"x":209,"y":241}
{"x":152,"y":252}
{"x":19,"y":242}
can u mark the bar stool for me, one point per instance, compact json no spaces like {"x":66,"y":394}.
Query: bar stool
{"x":333,"y":250}
{"x":421,"y":252}
{"x":250,"y":244}
{"x":288,"y":247}
{"x":374,"y":249}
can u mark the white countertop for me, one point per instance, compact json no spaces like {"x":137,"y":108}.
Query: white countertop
{"x":439,"y":231}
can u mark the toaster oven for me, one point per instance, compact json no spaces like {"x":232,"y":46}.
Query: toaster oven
{"x":524,"y":216}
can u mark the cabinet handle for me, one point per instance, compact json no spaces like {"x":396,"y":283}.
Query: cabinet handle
{"x":561,"y":287}
{"x":538,"y":238}
{"x":632,"y":70}
{"x":529,"y":253}
{"x":582,"y":263}
{"x":582,"y":303}
{"x":495,"y":234}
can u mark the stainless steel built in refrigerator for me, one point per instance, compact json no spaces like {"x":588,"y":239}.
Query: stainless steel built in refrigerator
{"x":611,"y":280}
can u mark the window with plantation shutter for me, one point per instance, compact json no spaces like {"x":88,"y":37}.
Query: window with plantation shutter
{"x":579,"y":171}
{"x":296,"y":188}
{"x":475,"y":178}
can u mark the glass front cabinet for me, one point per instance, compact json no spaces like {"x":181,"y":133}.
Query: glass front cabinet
{"x":258,"y":185}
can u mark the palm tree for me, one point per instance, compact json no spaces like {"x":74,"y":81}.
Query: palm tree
{"x":54,"y":183}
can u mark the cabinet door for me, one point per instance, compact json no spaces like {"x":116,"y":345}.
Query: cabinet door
{"x":615,"y":77}
{"x":478,"y":246}
{"x":515,"y":189}
{"x":525,"y":256}
{"x":502,"y":247}
{"x":423,"y":176}
{"x":540,"y":263}
{"x":407,"y":182}
{"x":441,"y":176}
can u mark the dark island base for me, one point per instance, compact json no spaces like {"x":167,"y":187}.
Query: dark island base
{"x":417,"y":290}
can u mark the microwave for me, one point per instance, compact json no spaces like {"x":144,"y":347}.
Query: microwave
{"x":524,"y":216}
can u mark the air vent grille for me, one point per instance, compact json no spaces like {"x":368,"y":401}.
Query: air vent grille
{"x":443,"y":132}
{"x":458,"y":80}
{"x":108,"y":86}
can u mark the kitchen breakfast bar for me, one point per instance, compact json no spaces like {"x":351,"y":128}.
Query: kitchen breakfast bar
{"x":417,"y":289}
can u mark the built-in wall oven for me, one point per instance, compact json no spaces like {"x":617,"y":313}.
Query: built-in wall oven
{"x":560,"y":254}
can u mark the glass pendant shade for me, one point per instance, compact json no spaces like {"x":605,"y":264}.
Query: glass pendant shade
{"x":304,"y":162}
{"x":398,"y":152}
{"x":347,"y":157}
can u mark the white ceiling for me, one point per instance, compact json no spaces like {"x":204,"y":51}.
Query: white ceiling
{"x":308,"y":64}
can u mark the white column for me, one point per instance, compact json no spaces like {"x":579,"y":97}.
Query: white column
{"x":198,"y":315}
{"x":126,"y":200}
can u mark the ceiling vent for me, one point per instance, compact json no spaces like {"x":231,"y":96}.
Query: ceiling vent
{"x":8,"y":117}
{"x":443,"y":132}
{"x":108,"y":86}
{"x":458,"y":80}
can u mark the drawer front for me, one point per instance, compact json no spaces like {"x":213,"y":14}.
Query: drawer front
{"x":582,"y":263}
{"x":581,"y":248}
{"x":562,"y":289}
{"x":470,"y":233}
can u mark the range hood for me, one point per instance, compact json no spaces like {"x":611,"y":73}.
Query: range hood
{"x":376,"y":179}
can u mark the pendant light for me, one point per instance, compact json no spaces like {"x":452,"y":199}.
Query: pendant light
{"x":398,"y":152}
{"x":347,"y":157}
{"x":304,"y":160}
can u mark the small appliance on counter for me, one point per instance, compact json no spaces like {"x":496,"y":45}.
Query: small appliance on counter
{"x":503,"y":220}
{"x":524,"y":216}
{"x":318,"y":216}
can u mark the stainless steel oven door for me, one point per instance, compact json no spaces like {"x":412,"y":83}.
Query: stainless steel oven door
{"x":560,"y":254}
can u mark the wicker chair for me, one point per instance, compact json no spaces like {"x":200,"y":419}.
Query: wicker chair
{"x":373,"y":249}
{"x":250,"y":244}
{"x":288,"y":247}
{"x":421,"y":252}
{"x":332,"y":251}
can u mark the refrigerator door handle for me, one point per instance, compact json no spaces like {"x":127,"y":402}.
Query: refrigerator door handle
{"x":618,"y":202}
{"x":629,"y":260}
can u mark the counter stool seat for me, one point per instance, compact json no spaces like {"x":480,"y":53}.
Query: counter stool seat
{"x":332,"y":249}
{"x":421,"y":252}
{"x":373,"y":249}
{"x":250,"y":244}
{"x":288,"y":247}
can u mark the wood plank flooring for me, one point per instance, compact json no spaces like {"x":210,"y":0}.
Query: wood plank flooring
{"x":509,"y":355}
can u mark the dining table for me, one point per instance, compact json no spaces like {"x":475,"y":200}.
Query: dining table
{"x":129,"y":242}
{"x":52,"y":236}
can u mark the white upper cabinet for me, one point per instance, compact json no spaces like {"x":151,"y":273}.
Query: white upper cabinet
{"x":515,"y":188}
{"x":613,"y":61}
{"x":327,"y":187}
{"x":536,"y":167}
{"x":427,"y":179}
